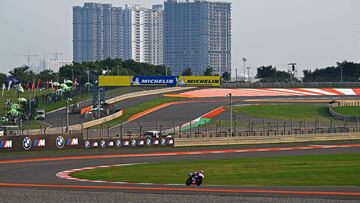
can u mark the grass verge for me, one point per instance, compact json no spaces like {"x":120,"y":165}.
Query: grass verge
{"x":348,"y":110}
{"x":286,"y":112}
{"x":128,"y":112}
{"x":308,"y":170}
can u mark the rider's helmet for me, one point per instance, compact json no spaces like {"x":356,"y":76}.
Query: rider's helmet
{"x":201,"y":171}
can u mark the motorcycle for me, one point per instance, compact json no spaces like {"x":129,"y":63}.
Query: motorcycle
{"x":194,"y":180}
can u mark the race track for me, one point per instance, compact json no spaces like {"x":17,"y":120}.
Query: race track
{"x":38,"y":171}
{"x":35,"y":173}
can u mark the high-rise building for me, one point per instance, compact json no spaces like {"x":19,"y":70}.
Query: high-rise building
{"x":91,"y":32}
{"x":101,"y":31}
{"x":197,"y":35}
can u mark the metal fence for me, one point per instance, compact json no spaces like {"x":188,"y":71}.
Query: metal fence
{"x":222,"y":128}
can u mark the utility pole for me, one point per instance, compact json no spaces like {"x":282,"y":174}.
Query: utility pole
{"x":236,"y":75}
{"x":28,"y":56}
{"x":244,"y":61}
{"x":231,"y":117}
{"x":248,"y":69}
{"x":67,"y":113}
{"x":292,"y":70}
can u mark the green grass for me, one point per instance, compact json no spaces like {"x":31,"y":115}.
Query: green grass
{"x":348,"y":110}
{"x":130,"y":111}
{"x":62,"y":103}
{"x":309,"y":170}
{"x":297,"y":112}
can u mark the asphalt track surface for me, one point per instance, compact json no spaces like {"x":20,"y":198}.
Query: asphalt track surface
{"x":183,"y":113}
{"x":38,"y":170}
{"x":58,"y":118}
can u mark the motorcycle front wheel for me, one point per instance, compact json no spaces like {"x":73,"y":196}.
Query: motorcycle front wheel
{"x":198,"y":182}
{"x":188,"y":182}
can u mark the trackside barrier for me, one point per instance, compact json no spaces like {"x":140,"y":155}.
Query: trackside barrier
{"x":342,"y":103}
{"x":128,"y":143}
{"x":40,"y":142}
{"x":75,"y":141}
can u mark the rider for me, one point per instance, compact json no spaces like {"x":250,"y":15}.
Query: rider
{"x":198,"y":174}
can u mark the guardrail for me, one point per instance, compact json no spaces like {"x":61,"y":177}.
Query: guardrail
{"x":340,"y":116}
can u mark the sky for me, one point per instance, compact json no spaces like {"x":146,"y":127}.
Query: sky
{"x":311,"y":33}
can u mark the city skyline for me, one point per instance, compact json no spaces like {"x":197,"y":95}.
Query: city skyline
{"x":103,"y":31}
{"x":314,"y":34}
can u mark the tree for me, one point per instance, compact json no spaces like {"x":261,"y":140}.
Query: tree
{"x":208,"y":71}
{"x":270,"y":74}
{"x":2,"y":77}
{"x":186,"y":72}
{"x":350,"y":72}
{"x":46,"y":75}
{"x":23,"y":74}
{"x":226,"y":76}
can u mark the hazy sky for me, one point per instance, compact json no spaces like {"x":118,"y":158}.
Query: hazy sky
{"x":312,"y":33}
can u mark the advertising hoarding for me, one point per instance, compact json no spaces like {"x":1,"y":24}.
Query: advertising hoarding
{"x":211,"y":81}
{"x":114,"y":81}
{"x":169,"y":81}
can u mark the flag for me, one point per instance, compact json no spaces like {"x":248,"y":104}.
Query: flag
{"x":33,"y":85}
{"x":38,"y":84}
{"x":9,"y":84}
{"x":3,"y":89}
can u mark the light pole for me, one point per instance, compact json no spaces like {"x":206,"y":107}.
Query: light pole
{"x":236,"y":75}
{"x":244,"y":61}
{"x":67,"y":113}
{"x":248,"y":69}
{"x":231,"y":117}
{"x":341,"y":74}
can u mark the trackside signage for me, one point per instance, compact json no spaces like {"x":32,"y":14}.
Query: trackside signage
{"x":41,"y":142}
{"x":212,"y":81}
{"x":115,"y":81}
{"x":169,"y":81}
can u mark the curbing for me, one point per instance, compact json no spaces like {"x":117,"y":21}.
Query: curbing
{"x":216,"y":141}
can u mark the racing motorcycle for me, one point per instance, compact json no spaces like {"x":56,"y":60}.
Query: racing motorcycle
{"x":194,"y":180}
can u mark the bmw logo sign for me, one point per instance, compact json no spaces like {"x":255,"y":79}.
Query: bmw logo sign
{"x":163,"y":142}
{"x":118,"y":143}
{"x":148,"y":142}
{"x":87,"y":144}
{"x":103,"y":144}
{"x":133,"y":143}
{"x":27,"y":143}
{"x":60,"y":142}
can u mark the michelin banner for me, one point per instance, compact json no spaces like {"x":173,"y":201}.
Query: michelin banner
{"x":115,"y":81}
{"x":210,"y":81}
{"x":169,"y":81}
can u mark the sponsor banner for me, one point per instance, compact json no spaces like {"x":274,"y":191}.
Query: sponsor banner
{"x":5,"y":144}
{"x":128,"y":143}
{"x":210,"y":81}
{"x":114,"y":81}
{"x":169,"y":81}
{"x":41,"y":142}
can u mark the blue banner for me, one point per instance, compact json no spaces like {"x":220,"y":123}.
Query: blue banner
{"x":154,"y":80}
